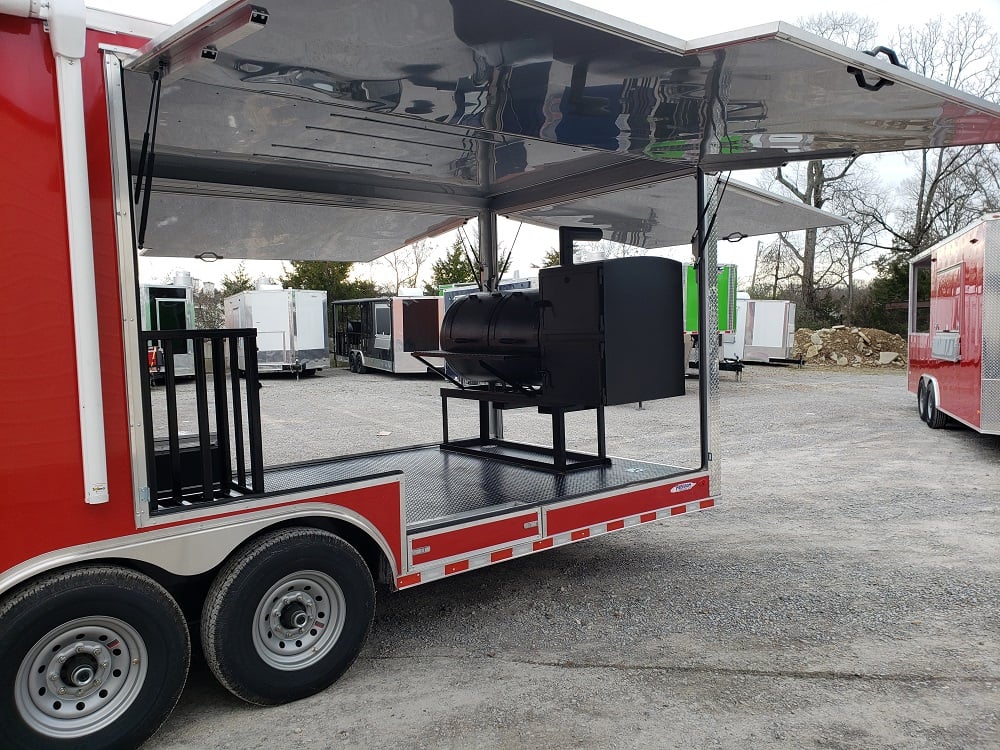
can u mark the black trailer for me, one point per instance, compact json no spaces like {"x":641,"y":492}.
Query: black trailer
{"x":381,"y":332}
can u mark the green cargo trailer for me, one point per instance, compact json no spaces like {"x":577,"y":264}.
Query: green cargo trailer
{"x":727,"y":298}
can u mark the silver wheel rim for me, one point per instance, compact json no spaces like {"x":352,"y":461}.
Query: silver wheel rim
{"x":80,"y":677}
{"x":299,"y":620}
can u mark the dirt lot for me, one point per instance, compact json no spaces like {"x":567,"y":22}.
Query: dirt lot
{"x":844,"y":594}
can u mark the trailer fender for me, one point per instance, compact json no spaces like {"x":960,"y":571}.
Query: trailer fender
{"x":933,"y":383}
{"x":198,"y":548}
{"x":930,"y":409}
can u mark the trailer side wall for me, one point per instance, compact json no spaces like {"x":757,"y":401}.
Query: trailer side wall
{"x":40,"y":448}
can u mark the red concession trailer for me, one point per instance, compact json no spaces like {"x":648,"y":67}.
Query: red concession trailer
{"x":954,"y":328}
{"x":342,"y":131}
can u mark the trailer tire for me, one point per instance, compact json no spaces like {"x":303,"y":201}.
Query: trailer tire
{"x":360,"y":364}
{"x":352,"y":363}
{"x":922,"y":399}
{"x":287,"y":615}
{"x":90,"y":657}
{"x":936,"y":419}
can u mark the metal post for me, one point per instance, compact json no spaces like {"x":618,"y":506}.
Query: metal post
{"x":602,"y":442}
{"x":485,"y":431}
{"x":253,"y":416}
{"x":559,"y":438}
{"x":147,"y":418}
{"x":444,"y":417}
{"x":234,"y":376}
{"x":173,"y":438}
{"x":490,"y":258}
{"x":336,"y":335}
{"x":221,"y":414}
{"x":707,"y":265}
{"x":488,"y":253}
{"x":204,"y":433}
{"x":708,"y":326}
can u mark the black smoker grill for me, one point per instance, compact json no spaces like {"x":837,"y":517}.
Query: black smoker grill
{"x":592,"y":335}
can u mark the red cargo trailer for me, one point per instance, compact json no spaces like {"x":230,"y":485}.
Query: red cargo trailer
{"x":954,"y":328}
{"x":342,"y":131}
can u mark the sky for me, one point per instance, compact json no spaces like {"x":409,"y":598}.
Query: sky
{"x":686,"y":21}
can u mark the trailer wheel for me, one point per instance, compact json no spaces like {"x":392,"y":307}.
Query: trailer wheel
{"x":935,"y":418}
{"x":352,"y":362}
{"x":287,"y":616}
{"x":91,"y":657}
{"x":360,"y":364}
{"x":922,"y":399}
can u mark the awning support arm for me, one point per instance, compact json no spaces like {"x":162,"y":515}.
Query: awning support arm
{"x":148,"y":156}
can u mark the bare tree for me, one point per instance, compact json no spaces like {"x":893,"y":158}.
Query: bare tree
{"x":817,"y":182}
{"x":593,"y":251}
{"x":949,"y":187}
{"x":774,"y":268}
{"x":814,"y":184}
{"x":612,"y":249}
{"x":855,"y":245}
{"x":848,"y":29}
{"x":404,"y":265}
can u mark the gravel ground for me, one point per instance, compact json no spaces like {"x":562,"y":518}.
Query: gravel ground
{"x":844,"y":594}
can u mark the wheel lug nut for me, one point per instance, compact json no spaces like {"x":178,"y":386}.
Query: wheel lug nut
{"x":62,"y":691}
{"x":53,"y":676}
{"x":79,"y":649}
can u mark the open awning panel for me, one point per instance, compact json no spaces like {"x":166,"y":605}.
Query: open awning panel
{"x":665,"y":214}
{"x":447,"y":107}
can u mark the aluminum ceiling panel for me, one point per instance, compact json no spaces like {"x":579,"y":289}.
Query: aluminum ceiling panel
{"x":445,"y":107}
{"x":665,"y":214}
{"x":185,"y":225}
{"x":272,"y":226}
{"x":531,"y":70}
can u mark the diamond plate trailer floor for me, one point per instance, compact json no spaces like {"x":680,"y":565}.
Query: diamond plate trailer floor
{"x":441,"y":487}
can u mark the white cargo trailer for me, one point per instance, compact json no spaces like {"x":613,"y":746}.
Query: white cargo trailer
{"x":291,"y":328}
{"x":765,"y":330}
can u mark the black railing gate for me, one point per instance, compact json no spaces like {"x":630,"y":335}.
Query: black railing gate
{"x":223,"y":458}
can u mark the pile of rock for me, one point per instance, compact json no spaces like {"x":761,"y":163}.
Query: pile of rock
{"x":847,"y":346}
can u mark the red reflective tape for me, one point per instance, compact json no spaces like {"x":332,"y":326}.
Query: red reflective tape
{"x":410,"y":580}
{"x":542,"y":544}
{"x":468,"y":540}
{"x":504,"y":554}
{"x":615,"y":525}
{"x":456,"y":567}
{"x":706,"y":504}
{"x":677,"y":510}
{"x":581,"y":534}
{"x":647,"y":517}
{"x":590,"y":513}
